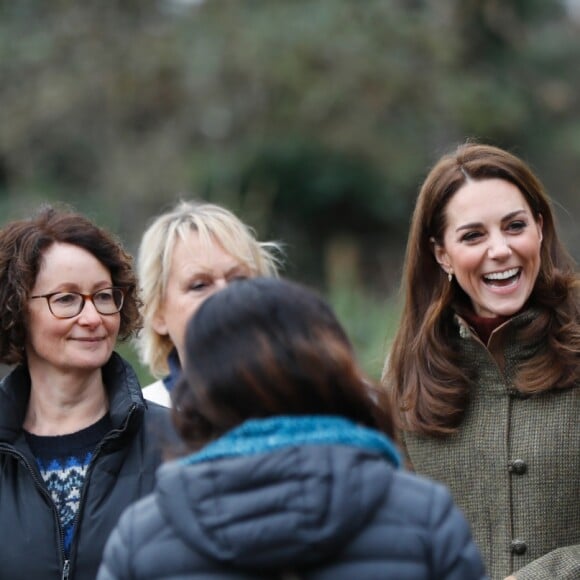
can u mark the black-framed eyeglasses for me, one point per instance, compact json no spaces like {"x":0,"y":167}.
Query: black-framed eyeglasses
{"x":70,"y":304}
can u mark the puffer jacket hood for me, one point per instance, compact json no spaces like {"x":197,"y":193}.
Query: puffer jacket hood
{"x":296,"y":506}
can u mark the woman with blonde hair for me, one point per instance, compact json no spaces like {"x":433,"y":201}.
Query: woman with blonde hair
{"x":187,"y":254}
{"x":484,"y":370}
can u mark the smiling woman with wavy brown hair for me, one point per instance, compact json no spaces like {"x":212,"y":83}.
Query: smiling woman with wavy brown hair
{"x":484,"y":369}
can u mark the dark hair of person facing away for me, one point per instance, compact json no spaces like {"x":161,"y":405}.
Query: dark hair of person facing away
{"x":428,"y":382}
{"x":265,"y":347}
{"x":22,"y":246}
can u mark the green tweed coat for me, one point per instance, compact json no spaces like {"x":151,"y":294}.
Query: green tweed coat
{"x":514,"y":465}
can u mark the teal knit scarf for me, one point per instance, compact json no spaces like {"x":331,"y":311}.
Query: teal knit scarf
{"x":265,"y":435}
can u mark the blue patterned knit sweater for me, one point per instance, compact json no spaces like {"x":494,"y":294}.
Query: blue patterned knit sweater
{"x":63,"y":461}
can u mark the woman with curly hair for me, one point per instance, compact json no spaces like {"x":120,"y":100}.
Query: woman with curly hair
{"x":77,"y":441}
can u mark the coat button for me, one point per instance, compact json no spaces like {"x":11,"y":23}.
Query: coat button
{"x":519,"y":547}
{"x":517,"y":466}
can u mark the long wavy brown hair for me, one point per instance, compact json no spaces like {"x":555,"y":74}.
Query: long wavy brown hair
{"x":428,"y":384}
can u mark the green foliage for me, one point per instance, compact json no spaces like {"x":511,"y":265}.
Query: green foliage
{"x":314,"y":120}
{"x":135,"y":102}
{"x":370,"y":323}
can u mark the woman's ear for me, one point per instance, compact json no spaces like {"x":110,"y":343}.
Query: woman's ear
{"x":540,"y":224}
{"x":441,"y":256}
{"x":159,"y":324}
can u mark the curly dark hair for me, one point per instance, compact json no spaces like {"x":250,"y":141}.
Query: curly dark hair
{"x":22,"y":246}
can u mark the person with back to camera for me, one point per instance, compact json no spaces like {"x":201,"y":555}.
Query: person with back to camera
{"x":485,"y":367}
{"x":289,"y":475}
{"x":77,"y":444}
{"x":186,"y":255}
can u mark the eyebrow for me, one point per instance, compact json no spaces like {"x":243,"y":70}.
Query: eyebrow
{"x":74,"y":287}
{"x":506,"y":218}
{"x":241,"y":268}
{"x":203,"y":271}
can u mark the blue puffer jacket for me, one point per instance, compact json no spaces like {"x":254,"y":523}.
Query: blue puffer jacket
{"x":312,"y":497}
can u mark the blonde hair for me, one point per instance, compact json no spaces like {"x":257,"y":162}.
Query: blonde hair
{"x":214,"y":224}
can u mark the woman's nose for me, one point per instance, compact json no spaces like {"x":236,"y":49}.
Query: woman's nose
{"x":499,"y":247}
{"x":89,"y":314}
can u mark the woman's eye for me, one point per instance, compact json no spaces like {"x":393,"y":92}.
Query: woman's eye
{"x":471,"y":236}
{"x":517,"y":226}
{"x":197,"y":286}
{"x":103,"y":297}
{"x":64,"y":298}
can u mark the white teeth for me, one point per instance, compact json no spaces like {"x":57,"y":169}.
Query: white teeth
{"x":502,"y":275}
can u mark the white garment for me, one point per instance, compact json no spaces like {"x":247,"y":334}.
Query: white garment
{"x":157,"y":393}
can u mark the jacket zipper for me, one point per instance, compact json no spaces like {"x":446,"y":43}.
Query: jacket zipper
{"x":109,"y":437}
{"x":41,"y":487}
{"x":65,"y":570}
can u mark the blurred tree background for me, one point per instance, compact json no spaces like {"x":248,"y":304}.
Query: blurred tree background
{"x":314,"y":120}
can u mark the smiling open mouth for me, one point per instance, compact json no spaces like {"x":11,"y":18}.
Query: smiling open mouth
{"x":504,"y":278}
